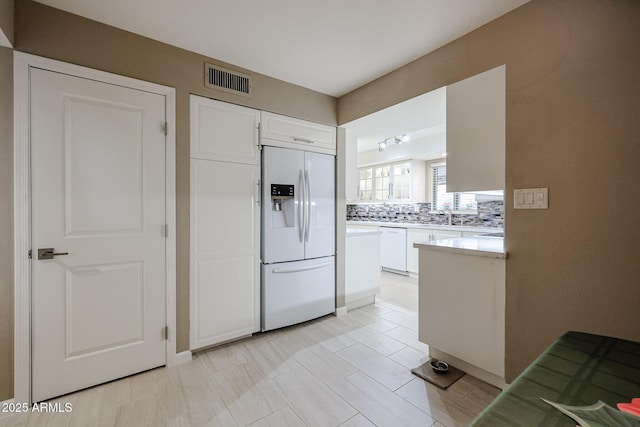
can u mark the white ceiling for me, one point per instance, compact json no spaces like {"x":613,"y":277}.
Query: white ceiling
{"x":331,"y":46}
{"x":421,"y":118}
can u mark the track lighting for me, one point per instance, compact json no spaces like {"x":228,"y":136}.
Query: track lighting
{"x":397,"y":139}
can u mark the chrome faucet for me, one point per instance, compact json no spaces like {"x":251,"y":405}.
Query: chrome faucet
{"x":449,"y":214}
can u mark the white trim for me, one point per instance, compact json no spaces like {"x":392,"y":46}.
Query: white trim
{"x":170,"y":217}
{"x":22,"y":206}
{"x":340,"y":311}
{"x":183,"y":357}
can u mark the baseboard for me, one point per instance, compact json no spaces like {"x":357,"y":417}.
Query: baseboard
{"x":183,"y":357}
{"x":352,"y":305}
{"x":340,"y":311}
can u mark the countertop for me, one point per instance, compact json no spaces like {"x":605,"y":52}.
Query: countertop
{"x":432,"y":226}
{"x":486,"y":246}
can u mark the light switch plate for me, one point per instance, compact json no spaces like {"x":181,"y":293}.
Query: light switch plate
{"x":531,"y":198}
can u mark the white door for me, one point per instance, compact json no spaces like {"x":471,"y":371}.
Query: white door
{"x":98,"y":194}
{"x":225,"y":251}
{"x":320,"y":238}
{"x":283,"y":225}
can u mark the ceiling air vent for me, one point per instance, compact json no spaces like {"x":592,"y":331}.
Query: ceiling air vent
{"x":231,"y":81}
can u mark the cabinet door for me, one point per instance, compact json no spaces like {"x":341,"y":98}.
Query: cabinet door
{"x":225,"y":256}
{"x":287,"y":132}
{"x":415,"y":236}
{"x":437,"y":234}
{"x":476,"y":132}
{"x":393,"y":248}
{"x":226,"y":132}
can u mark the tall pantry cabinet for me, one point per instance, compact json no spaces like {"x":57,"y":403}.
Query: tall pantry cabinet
{"x":225,"y":222}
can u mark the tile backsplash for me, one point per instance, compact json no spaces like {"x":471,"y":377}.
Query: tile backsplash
{"x":490,"y":214}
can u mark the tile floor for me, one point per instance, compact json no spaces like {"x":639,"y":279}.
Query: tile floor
{"x":351,"y":371}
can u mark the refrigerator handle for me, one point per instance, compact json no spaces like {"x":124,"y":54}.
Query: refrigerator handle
{"x":297,"y":270}
{"x":307,"y":192}
{"x":301,"y":217}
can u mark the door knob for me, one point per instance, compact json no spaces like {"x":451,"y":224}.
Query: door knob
{"x":48,"y":253}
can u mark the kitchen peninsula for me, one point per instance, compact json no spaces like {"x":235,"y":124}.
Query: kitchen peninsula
{"x":461,"y":303}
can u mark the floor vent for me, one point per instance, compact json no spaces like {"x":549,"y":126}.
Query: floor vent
{"x":231,"y":81}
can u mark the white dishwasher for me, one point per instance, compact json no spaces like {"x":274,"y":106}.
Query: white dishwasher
{"x":393,"y":249}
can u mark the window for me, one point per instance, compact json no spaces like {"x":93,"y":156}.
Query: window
{"x":386,"y":182}
{"x":442,"y":200}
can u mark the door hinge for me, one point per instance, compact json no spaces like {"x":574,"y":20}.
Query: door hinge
{"x":165,"y":230}
{"x":29,"y":253}
{"x":165,"y":333}
{"x":165,"y":128}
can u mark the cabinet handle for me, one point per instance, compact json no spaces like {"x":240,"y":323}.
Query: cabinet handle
{"x":258,"y":192}
{"x":303,"y":140}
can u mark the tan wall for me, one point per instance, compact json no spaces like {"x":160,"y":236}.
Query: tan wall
{"x":52,"y":33}
{"x":573,"y":102}
{"x":6,"y":223}
{"x":6,"y":19}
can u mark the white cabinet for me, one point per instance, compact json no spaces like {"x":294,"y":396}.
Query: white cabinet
{"x":415,"y":235}
{"x":476,"y":132}
{"x":225,"y":224}
{"x":461,"y":306}
{"x":362,"y":266}
{"x":437,"y":234}
{"x":287,"y":132}
{"x":225,"y":132}
{"x":393,"y":248}
{"x":392,"y":182}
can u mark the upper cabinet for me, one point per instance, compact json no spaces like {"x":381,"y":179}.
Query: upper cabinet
{"x":476,"y":132}
{"x":287,"y":132}
{"x":392,"y":182}
{"x":224,"y":132}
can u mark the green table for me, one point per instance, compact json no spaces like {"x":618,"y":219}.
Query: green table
{"x":578,"y":369}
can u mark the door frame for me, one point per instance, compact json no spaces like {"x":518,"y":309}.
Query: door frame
{"x":23,"y":62}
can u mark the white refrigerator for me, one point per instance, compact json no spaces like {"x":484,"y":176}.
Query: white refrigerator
{"x":298,"y":236}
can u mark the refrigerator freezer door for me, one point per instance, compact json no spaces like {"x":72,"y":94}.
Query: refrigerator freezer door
{"x":282,"y":219}
{"x":294,"y":292}
{"x":320,"y":233}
